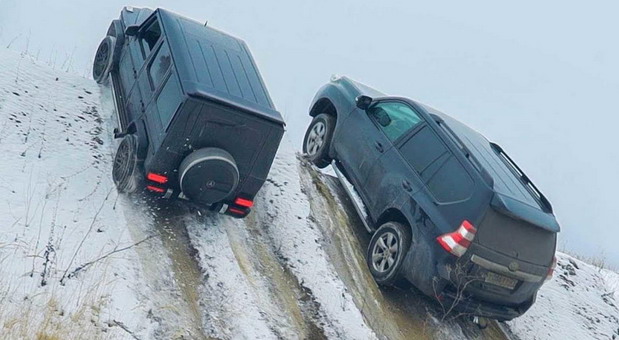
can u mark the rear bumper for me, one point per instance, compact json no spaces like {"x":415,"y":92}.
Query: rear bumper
{"x":476,"y":297}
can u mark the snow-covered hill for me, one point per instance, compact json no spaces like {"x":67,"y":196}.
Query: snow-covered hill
{"x":78,"y":260}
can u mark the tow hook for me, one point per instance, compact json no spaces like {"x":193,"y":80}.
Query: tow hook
{"x":481,"y":322}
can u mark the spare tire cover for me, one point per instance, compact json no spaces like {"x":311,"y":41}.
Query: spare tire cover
{"x":208,"y":175}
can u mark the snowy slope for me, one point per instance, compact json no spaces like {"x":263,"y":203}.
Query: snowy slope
{"x":580,"y":302}
{"x":77,"y":260}
{"x":58,"y":211}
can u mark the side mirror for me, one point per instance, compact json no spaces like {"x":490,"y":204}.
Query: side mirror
{"x":363,"y":102}
{"x":132,"y":30}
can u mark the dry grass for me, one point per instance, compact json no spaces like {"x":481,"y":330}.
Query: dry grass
{"x":52,"y":312}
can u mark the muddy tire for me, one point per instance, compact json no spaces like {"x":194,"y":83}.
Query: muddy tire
{"x":126,"y":169}
{"x":317,"y":141}
{"x":386,"y":253}
{"x":104,"y":59}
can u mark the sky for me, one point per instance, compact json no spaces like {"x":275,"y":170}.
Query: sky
{"x":539,"y":78}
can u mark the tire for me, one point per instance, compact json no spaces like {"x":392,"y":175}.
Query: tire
{"x":126,"y":169}
{"x":387,"y":269}
{"x":317,"y":141}
{"x":208,"y":175}
{"x":104,"y":60}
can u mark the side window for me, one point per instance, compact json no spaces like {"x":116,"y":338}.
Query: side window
{"x":442,"y":173}
{"x":394,"y":118}
{"x":168,"y":101}
{"x":423,"y":150}
{"x":450,"y":183}
{"x":149,"y":38}
{"x":159,"y":65}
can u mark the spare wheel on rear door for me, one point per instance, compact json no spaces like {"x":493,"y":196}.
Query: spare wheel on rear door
{"x":208,"y":175}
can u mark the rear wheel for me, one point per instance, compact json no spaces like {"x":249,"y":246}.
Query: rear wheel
{"x":103,"y":60}
{"x":387,"y":251}
{"x":317,"y":141}
{"x":126,"y":170}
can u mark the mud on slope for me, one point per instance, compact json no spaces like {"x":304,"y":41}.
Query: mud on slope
{"x":391,"y":313}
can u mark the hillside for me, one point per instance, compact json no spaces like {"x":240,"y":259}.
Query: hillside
{"x":78,"y":260}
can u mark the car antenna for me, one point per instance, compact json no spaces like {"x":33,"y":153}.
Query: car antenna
{"x":205,"y":23}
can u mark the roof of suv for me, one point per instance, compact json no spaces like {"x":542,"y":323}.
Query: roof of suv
{"x":505,"y":181}
{"x":217,"y":66}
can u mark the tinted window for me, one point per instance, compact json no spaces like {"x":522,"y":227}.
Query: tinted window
{"x":450,"y":182}
{"x":394,"y":118}
{"x":160,"y":65}
{"x":168,"y":101}
{"x":421,"y":150}
{"x":150,"y":37}
{"x":444,"y":176}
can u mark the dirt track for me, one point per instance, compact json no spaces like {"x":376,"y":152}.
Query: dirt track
{"x":218,"y":277}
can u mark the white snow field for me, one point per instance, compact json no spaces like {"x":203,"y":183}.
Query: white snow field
{"x":78,"y":260}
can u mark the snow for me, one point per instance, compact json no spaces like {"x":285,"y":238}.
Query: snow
{"x":78,"y":260}
{"x":580,"y":302}
{"x":59,"y":210}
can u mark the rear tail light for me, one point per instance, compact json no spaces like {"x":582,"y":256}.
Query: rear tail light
{"x":243,"y":202}
{"x":155,"y":189}
{"x":458,"y":242}
{"x":161,"y":179}
{"x":551,"y":270}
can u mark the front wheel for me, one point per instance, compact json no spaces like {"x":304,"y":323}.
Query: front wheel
{"x":126,"y":169}
{"x":103,"y":60}
{"x":387,"y":251}
{"x":317,"y":141}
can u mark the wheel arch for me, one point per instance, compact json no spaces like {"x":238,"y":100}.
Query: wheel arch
{"x":333,"y":99}
{"x":117,"y":30}
{"x":418,"y":264}
{"x":323,"y":105}
{"x":139,"y":130}
{"x":392,"y":215}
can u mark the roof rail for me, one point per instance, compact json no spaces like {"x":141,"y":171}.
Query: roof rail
{"x":465,"y":150}
{"x":523,"y":177}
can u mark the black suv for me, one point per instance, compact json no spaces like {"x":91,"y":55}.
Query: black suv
{"x":195,"y":116}
{"x":451,"y":212}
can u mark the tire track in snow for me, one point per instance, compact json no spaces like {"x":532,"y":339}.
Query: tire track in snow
{"x":391,"y":313}
{"x":173,"y":275}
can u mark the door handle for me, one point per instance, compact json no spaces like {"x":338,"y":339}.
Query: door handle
{"x":379,"y":146}
{"x":407,"y":185}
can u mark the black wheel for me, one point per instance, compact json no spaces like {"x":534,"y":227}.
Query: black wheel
{"x":104,"y":60}
{"x":387,"y":251}
{"x":317,"y":140}
{"x":126,"y":170}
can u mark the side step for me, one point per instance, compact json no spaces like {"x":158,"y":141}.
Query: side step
{"x":355,"y":203}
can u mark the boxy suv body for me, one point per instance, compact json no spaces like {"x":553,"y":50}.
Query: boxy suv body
{"x":451,"y":213}
{"x":195,"y":116}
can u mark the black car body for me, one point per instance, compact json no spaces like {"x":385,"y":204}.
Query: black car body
{"x":200,"y":120}
{"x":439,"y":178}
